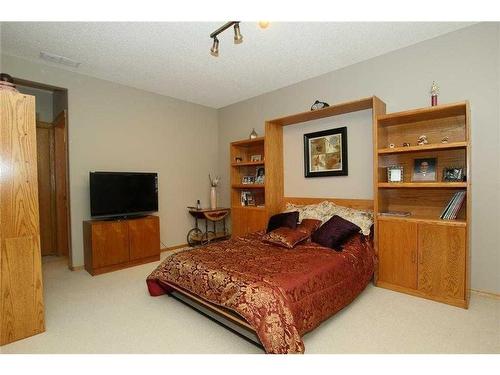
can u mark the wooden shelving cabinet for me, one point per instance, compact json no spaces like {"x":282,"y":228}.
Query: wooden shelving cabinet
{"x":422,"y":254}
{"x":246,"y":219}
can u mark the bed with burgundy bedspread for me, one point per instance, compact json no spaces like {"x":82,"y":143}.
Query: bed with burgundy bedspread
{"x":282,"y":293}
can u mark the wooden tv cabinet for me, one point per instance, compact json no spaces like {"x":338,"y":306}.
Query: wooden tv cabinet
{"x":110,"y":245}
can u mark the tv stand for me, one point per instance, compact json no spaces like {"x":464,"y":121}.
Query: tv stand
{"x":110,"y":245}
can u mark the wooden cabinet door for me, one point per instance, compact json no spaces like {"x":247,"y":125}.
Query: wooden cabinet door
{"x":397,"y":251}
{"x":238,"y":222}
{"x":109,"y":243}
{"x":144,"y":236}
{"x":441,"y":260}
{"x":256,"y":220}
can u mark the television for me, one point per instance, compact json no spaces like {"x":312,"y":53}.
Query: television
{"x":122,"y":194}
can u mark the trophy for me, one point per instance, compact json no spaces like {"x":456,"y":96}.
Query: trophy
{"x":434,"y":94}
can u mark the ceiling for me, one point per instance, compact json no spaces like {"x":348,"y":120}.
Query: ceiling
{"x":172,"y":58}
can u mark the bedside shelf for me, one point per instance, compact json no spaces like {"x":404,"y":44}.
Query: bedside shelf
{"x":423,"y":219}
{"x":416,"y":185}
{"x":248,"y":186}
{"x":429,"y":147}
{"x":247,"y":163}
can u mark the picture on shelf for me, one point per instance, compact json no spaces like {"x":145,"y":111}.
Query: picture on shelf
{"x":238,"y":159}
{"x":247,"y":198}
{"x":395,"y":173}
{"x":325,"y":153}
{"x":453,"y":174}
{"x":248,"y":180}
{"x":260,"y":175}
{"x":255,"y":158}
{"x":424,"y":169}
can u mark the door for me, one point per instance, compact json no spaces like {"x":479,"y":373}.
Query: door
{"x":397,"y":251}
{"x":144,"y":237}
{"x":109,"y":243}
{"x":441,"y":260}
{"x":61,"y":183}
{"x":46,"y":187}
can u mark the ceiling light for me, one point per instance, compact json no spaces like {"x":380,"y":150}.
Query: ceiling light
{"x":214,"y":51}
{"x":59,"y":59}
{"x":238,"y":38}
{"x":263,"y":24}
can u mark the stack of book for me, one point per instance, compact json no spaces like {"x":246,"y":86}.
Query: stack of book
{"x":454,"y":205}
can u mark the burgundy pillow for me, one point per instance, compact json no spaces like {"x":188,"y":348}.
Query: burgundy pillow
{"x":285,"y":237}
{"x":334,"y":232}
{"x":309,"y":226}
{"x":285,"y":219}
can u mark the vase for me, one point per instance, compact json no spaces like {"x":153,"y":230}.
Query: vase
{"x":213,"y":198}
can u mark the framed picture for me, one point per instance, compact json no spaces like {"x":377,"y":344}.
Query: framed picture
{"x":424,"y":169}
{"x":260,"y":174}
{"x":395,"y":173}
{"x":245,"y":197}
{"x":453,"y":174}
{"x":256,"y":158}
{"x":248,"y":180}
{"x":325,"y":153}
{"x":238,"y":159}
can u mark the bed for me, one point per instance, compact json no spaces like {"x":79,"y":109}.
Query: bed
{"x":266,"y":292}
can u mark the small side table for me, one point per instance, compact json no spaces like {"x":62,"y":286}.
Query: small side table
{"x":197,"y":237}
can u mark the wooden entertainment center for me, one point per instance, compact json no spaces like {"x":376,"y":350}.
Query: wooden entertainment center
{"x":110,"y":245}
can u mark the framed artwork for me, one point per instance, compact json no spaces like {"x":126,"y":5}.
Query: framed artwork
{"x":260,"y":174}
{"x":256,"y":158}
{"x":395,"y":173}
{"x":424,"y":169}
{"x":248,"y":180}
{"x":453,"y":174}
{"x":325,"y":153}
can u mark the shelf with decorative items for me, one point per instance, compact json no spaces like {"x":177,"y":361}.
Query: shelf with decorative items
{"x":422,"y":192}
{"x":248,"y":197}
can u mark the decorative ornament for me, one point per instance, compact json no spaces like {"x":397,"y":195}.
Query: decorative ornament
{"x":422,"y":140}
{"x":253,"y":134}
{"x":7,"y":82}
{"x":444,"y":140}
{"x":406,"y":144}
{"x":392,"y":145}
{"x":434,"y":94}
{"x":319,"y":105}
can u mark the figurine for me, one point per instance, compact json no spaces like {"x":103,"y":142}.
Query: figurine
{"x":319,"y":105}
{"x":406,"y":144}
{"x":444,"y":140}
{"x":253,"y":134}
{"x":434,"y":94}
{"x":422,"y":140}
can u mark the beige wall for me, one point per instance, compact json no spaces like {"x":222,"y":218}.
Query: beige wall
{"x":465,"y":64}
{"x":44,"y":102}
{"x":117,"y":128}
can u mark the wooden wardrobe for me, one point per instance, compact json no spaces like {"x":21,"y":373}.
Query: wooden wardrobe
{"x":21,"y":289}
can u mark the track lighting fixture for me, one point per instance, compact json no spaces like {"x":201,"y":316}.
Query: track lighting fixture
{"x":214,"y":51}
{"x":238,"y":38}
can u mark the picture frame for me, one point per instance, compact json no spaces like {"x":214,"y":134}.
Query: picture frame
{"x":260,"y":175}
{"x":325,"y":153}
{"x":248,"y":180}
{"x":453,"y":174}
{"x":238,"y":159}
{"x":255,"y":158}
{"x":395,"y":173}
{"x":424,"y":170}
{"x":244,"y":197}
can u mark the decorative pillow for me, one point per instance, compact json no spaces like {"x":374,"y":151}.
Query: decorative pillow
{"x":286,"y":237}
{"x":334,"y":232}
{"x":309,"y":226}
{"x":325,"y":210}
{"x":285,"y":219}
{"x":321,"y":211}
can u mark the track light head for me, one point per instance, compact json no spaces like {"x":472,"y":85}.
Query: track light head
{"x":214,"y":51}
{"x":238,"y":38}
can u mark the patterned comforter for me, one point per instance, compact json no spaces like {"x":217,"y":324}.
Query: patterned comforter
{"x":282,"y":293}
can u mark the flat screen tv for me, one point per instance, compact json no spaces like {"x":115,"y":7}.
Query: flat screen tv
{"x":123,"y":193}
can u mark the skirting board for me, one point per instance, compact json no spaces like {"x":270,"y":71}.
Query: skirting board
{"x":173,"y":247}
{"x":486,"y":294}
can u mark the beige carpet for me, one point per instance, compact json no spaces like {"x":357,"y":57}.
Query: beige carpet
{"x":113,"y":313}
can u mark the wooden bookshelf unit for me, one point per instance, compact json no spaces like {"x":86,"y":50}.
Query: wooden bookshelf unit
{"x":253,"y":217}
{"x":422,"y":254}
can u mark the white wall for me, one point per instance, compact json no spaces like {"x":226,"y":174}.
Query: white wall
{"x":117,"y":128}
{"x":464,"y":63}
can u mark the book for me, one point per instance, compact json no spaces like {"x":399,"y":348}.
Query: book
{"x":447,"y":207}
{"x":395,"y":213}
{"x":451,"y":210}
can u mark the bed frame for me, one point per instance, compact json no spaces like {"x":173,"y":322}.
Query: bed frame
{"x":228,"y":318}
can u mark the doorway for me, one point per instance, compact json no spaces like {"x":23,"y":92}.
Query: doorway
{"x":52,"y":167}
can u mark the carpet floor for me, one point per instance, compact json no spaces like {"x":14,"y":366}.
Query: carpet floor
{"x":113,"y":313}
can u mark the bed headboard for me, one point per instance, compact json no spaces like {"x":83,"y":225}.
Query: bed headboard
{"x":360,"y":204}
